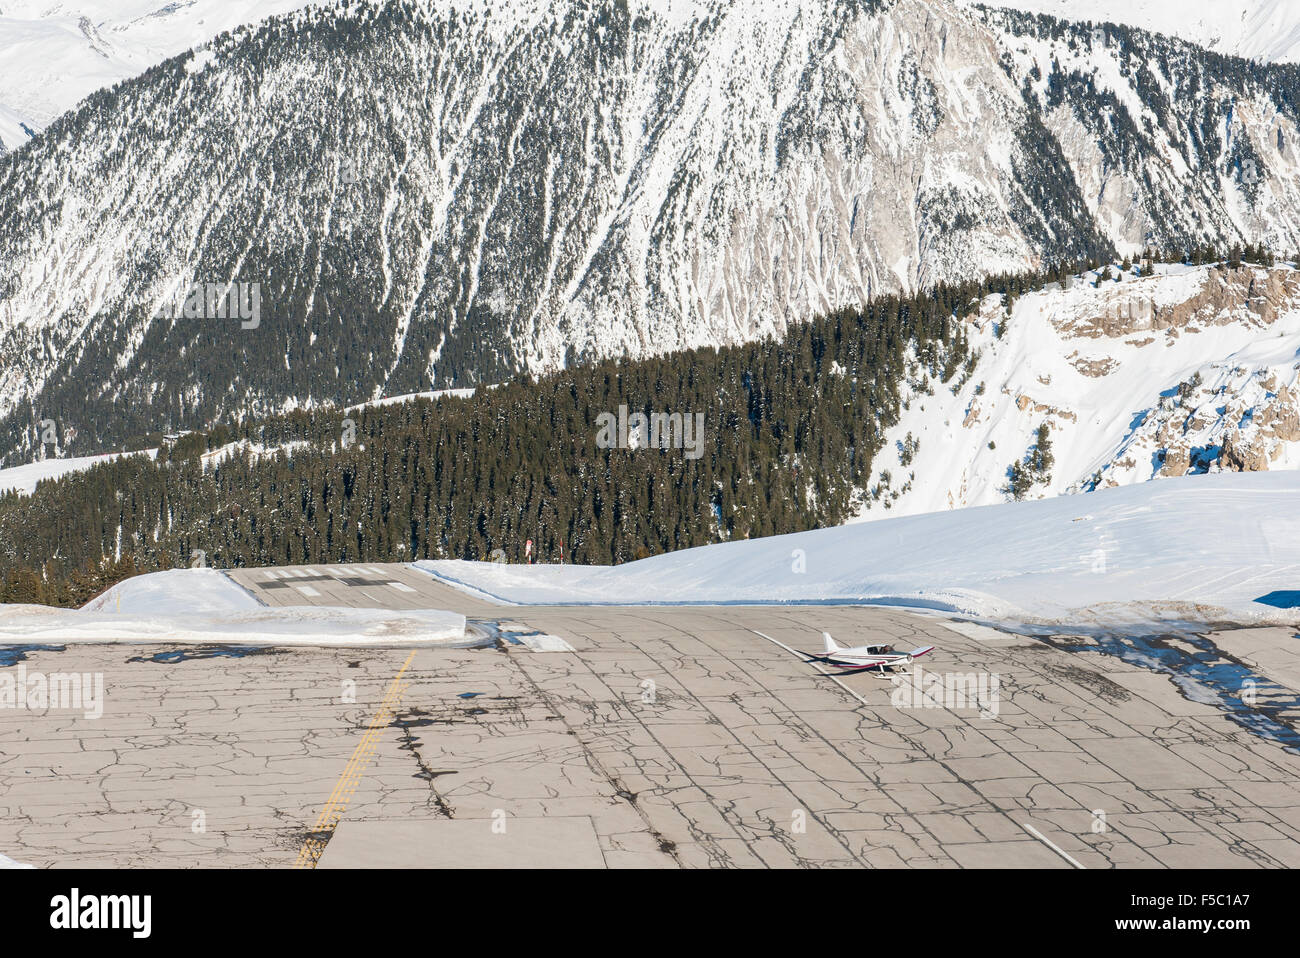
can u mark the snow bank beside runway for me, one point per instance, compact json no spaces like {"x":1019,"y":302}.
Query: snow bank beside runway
{"x":203,"y":606}
{"x":175,"y":592}
{"x":1193,"y":549}
{"x":286,"y":625}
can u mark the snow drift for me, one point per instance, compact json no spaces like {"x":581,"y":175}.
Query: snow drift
{"x":1202,"y":549}
{"x":202,"y":605}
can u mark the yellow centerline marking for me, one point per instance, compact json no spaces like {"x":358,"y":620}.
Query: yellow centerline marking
{"x":337,"y":803}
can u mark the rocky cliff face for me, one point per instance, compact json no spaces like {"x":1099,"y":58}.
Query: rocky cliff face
{"x":1183,"y":370}
{"x":431,"y":197}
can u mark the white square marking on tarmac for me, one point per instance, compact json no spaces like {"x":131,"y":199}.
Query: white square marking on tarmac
{"x":545,"y":643}
{"x":979,"y":632}
{"x":400,"y":587}
{"x":306,"y":590}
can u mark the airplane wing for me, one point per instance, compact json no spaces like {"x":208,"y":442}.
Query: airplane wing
{"x":854,"y":670}
{"x":832,"y":660}
{"x":921,"y":651}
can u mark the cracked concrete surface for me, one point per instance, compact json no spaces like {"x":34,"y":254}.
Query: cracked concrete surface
{"x":738,"y":755}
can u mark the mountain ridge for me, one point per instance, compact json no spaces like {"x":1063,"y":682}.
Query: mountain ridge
{"x":435,"y":202}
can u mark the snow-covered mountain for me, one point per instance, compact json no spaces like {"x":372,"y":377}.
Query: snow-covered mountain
{"x":1187,"y":370}
{"x":1259,"y":29}
{"x":424,"y":198}
{"x":55,"y":53}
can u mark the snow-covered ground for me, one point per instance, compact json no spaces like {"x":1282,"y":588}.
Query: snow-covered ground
{"x":1188,"y":370}
{"x":54,"y":53}
{"x":202,"y":605}
{"x":7,"y":862}
{"x":1259,"y":29}
{"x":14,"y":131}
{"x":24,"y":478}
{"x":1196,"y":549}
{"x":1212,"y":549}
{"x":464,"y":393}
{"x":255,"y":450}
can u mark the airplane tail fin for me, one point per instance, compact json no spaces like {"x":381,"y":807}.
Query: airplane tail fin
{"x":831,"y":644}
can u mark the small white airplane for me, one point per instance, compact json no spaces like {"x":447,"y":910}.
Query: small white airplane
{"x":865,"y":658}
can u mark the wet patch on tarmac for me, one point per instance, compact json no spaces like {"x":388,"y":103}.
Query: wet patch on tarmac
{"x":187,"y":654}
{"x":1202,"y":672}
{"x":13,"y":654}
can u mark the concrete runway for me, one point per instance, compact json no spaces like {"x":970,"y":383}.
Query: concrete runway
{"x":668,"y":737}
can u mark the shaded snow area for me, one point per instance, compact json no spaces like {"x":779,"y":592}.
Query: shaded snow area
{"x":202,"y":605}
{"x":1189,"y":370}
{"x":1196,"y":549}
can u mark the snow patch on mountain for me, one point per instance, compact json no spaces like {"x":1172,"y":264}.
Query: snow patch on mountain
{"x":23,"y":479}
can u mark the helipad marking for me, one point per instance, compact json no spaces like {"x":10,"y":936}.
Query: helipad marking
{"x":319,"y":837}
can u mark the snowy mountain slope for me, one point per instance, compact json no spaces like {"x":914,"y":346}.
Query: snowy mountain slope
{"x":1194,"y":549}
{"x":23,"y":479}
{"x":1259,"y":29}
{"x":1189,"y":370}
{"x":430,"y":199}
{"x":55,"y":53}
{"x":14,"y":130}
